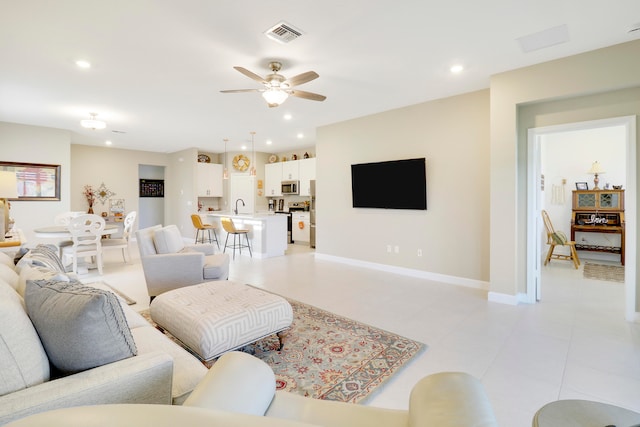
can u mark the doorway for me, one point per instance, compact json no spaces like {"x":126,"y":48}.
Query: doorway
{"x":553,"y":191}
{"x":151,"y":208}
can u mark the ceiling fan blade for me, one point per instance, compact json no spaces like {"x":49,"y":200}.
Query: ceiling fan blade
{"x":240,"y":90}
{"x":308,"y":95}
{"x":302,"y":78}
{"x":251,"y":75}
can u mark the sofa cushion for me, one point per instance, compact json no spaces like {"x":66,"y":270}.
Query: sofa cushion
{"x":9,"y":275}
{"x":168,"y":240}
{"x":80,"y":327}
{"x":23,"y":361}
{"x":216,"y":267}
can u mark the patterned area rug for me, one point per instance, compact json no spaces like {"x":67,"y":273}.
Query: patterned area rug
{"x":609,"y":273}
{"x":326,"y":356}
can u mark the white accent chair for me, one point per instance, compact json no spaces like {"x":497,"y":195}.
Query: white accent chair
{"x":122,"y":243}
{"x":170,"y":264}
{"x":86,"y":232}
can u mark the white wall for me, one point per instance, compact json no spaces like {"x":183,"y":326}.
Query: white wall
{"x":588,"y":86}
{"x":31,"y":144}
{"x":453,"y":135}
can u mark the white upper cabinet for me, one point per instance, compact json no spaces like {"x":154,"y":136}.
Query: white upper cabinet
{"x":273,"y":179}
{"x":290,"y":170}
{"x":307,"y":173}
{"x":209,"y":180}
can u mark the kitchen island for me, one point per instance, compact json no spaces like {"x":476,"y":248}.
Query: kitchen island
{"x":267,"y":235}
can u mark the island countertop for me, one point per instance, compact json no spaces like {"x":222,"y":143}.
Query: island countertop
{"x":267,"y":235}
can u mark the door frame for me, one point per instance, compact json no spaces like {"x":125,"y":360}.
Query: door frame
{"x":534,"y":222}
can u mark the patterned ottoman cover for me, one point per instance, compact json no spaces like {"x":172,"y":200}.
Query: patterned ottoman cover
{"x":215,"y":317}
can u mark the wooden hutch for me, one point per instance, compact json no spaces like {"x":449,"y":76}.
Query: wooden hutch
{"x":598,"y":211}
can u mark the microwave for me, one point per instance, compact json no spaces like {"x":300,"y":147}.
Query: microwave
{"x":290,"y":187}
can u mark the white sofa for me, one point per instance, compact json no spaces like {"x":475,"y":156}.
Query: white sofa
{"x":240,"y":391}
{"x":161,"y":372}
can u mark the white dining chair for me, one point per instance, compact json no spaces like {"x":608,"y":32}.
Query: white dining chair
{"x":63,"y":218}
{"x":86,"y":233}
{"x":122,"y":243}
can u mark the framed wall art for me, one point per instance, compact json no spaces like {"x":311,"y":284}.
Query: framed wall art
{"x":36,"y":181}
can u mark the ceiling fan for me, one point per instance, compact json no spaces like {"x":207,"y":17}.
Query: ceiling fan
{"x":277,"y":88}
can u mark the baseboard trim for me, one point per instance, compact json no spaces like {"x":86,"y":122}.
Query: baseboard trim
{"x":503,"y":298}
{"x":436,"y":277}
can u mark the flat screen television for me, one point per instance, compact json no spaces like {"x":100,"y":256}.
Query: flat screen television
{"x":396,"y":184}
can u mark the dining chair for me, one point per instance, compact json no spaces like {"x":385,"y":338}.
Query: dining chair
{"x":63,"y":218}
{"x":122,"y":243}
{"x":196,"y":220}
{"x":230,"y":228}
{"x":86,"y":233}
{"x":558,"y":238}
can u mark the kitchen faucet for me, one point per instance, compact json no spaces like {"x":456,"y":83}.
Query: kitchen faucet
{"x":235,"y":211}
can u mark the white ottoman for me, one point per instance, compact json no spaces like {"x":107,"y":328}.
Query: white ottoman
{"x":215,"y":317}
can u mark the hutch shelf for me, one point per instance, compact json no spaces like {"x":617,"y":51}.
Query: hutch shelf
{"x":598,"y":211}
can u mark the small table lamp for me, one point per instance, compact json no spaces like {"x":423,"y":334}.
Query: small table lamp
{"x":8,"y":190}
{"x":595,"y":170}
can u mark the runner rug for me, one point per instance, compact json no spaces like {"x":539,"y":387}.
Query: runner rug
{"x":609,"y":273}
{"x":326,"y":356}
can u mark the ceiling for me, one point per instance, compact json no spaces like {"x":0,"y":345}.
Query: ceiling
{"x":158,"y":66}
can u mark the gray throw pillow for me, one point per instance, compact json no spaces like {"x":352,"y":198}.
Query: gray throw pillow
{"x":80,"y":327}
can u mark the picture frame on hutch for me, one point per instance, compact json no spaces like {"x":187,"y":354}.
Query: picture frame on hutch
{"x":582,"y":186}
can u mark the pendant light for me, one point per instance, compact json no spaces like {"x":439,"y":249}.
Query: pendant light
{"x":252,"y":171}
{"x":225,"y":172}
{"x":93,"y":123}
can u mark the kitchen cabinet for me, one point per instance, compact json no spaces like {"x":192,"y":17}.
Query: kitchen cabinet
{"x":300,"y":227}
{"x":272,"y":179}
{"x":209,"y":177}
{"x":290,"y":170}
{"x":307,"y":173}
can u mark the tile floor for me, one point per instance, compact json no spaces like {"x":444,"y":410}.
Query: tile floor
{"x":573,"y":344}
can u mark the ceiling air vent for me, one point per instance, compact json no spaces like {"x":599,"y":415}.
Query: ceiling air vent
{"x":283,"y":33}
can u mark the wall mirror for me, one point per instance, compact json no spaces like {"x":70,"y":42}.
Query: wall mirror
{"x":35,"y":181}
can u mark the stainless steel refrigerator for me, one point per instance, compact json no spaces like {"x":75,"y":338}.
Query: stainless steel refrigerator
{"x":312,"y":214}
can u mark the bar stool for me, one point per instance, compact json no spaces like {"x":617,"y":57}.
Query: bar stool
{"x":230,"y":228}
{"x":200,"y":226}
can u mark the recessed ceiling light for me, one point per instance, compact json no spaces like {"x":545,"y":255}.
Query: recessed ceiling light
{"x":244,"y":147}
{"x":83,"y":64}
{"x":300,"y":135}
{"x":456,"y":69}
{"x":288,"y":116}
{"x":269,"y":142}
{"x":108,"y":142}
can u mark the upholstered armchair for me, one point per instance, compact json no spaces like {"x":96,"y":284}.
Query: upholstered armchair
{"x":170,"y":264}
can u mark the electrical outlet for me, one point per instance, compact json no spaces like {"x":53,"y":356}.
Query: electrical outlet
{"x":396,"y":249}
{"x":388,"y":248}
{"x":419,"y":252}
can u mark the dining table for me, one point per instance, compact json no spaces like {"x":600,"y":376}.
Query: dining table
{"x":62,"y":231}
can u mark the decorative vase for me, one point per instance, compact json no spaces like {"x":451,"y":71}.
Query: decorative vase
{"x":90,"y":211}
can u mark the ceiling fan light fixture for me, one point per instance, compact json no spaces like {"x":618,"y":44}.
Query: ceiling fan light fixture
{"x":93,"y":123}
{"x":275,"y":96}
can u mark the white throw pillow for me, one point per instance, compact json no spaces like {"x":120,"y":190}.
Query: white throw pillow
{"x":6,"y":260}
{"x":9,"y":275}
{"x":168,"y":240}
